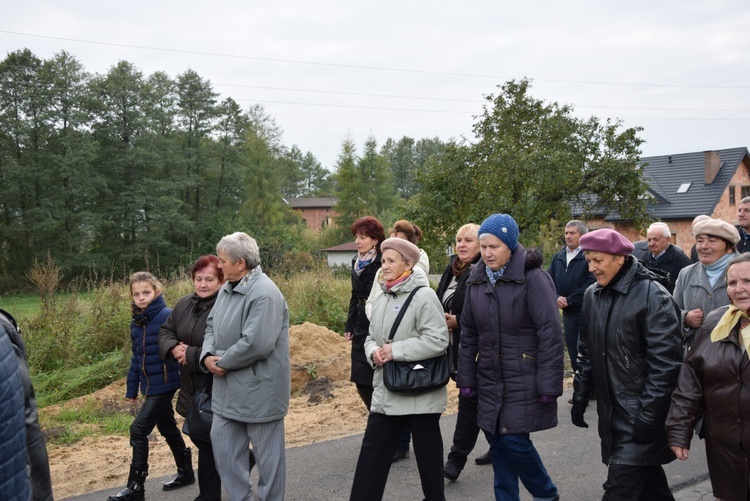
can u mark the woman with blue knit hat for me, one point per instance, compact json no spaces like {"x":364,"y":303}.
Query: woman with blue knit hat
{"x":511,"y":310}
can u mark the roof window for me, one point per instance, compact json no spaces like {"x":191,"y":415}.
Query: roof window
{"x":684,"y":187}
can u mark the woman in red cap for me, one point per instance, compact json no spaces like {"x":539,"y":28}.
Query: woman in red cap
{"x":629,"y":353}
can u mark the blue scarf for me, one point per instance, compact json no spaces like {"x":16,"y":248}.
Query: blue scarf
{"x":494,"y":276}
{"x":716,"y":269}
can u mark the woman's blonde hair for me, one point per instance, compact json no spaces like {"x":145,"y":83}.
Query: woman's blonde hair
{"x":469,"y":229}
{"x":144,"y":276}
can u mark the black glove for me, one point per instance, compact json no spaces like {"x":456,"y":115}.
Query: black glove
{"x":643,"y":433}
{"x":576,"y":414}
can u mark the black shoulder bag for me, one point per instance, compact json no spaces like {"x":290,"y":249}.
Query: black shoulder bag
{"x":200,"y":416}
{"x":414,"y":377}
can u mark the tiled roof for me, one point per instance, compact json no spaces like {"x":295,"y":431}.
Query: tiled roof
{"x":347,"y":247}
{"x":665,"y":174}
{"x":312,"y":203}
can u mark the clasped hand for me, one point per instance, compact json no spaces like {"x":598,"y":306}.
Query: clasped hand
{"x":383,"y":354}
{"x":210,"y":362}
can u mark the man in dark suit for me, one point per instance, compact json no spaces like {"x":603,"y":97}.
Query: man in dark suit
{"x":661,"y":254}
{"x":570,"y":272}
{"x":743,"y":225}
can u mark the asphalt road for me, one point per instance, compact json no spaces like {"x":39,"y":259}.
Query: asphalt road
{"x":324,"y":471}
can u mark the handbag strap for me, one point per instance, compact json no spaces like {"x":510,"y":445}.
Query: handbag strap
{"x":402,"y":311}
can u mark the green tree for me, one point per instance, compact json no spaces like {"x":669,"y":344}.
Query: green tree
{"x":317,"y":181}
{"x":349,"y":190}
{"x":364,"y":185}
{"x":531,"y":159}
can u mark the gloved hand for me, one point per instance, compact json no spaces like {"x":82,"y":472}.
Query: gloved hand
{"x":468,"y":392}
{"x":643,"y":433}
{"x":576,"y":414}
{"x":547,"y":399}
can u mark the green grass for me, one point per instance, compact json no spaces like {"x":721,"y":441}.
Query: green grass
{"x":21,"y":307}
{"x":90,"y":419}
{"x":58,"y":386}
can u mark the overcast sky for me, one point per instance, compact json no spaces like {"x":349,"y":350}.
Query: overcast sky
{"x":328,"y":69}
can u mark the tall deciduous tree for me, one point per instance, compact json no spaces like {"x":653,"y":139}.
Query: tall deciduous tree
{"x":531,"y":159}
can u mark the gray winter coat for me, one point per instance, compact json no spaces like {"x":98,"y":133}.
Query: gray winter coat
{"x":512,"y":346}
{"x":693,"y":290}
{"x":249,"y":329}
{"x":422,"y":334}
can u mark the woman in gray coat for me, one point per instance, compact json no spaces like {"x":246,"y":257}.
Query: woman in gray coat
{"x":246,"y":348}
{"x":701,"y":287}
{"x":421,"y":335}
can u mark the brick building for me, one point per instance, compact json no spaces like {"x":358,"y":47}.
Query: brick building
{"x":686,"y":185}
{"x":317,"y":212}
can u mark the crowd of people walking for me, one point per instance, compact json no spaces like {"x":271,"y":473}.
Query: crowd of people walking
{"x":659,"y":341}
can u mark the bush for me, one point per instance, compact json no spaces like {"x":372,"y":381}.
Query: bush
{"x":317,"y":296}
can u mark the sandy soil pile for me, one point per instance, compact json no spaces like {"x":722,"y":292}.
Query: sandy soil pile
{"x":324,"y":406}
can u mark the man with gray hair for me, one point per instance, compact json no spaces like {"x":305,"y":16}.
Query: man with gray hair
{"x":743,"y":225}
{"x":661,"y":254}
{"x":570,"y":272}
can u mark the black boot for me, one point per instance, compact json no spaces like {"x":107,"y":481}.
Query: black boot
{"x":185,"y":474}
{"x":134,"y":491}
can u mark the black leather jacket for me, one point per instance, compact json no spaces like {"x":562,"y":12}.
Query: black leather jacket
{"x":630,"y":352}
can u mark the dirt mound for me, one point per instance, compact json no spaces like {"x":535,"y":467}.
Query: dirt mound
{"x":317,"y":352}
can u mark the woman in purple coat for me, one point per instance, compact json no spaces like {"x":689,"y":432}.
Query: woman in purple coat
{"x":511,"y":355}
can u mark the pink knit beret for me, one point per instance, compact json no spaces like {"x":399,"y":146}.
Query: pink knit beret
{"x":606,"y":240}
{"x":403,"y":247}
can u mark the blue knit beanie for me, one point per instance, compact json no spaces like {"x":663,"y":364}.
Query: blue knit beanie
{"x":503,"y":227}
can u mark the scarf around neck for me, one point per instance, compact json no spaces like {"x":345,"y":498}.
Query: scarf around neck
{"x":727,"y":322}
{"x":716,"y":269}
{"x":494,"y":276}
{"x":458,"y":266}
{"x":393,"y":283}
{"x":364,"y":260}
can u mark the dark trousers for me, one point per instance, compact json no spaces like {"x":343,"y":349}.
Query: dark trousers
{"x":365,"y":393}
{"x":209,"y":482}
{"x":642,"y":483}
{"x":379,"y":445}
{"x":156,"y":411}
{"x":466,"y":432}
{"x":571,"y":326}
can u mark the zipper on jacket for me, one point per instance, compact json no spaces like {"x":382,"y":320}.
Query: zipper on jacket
{"x":143,"y":363}
{"x":525,"y":356}
{"x":164,"y":371}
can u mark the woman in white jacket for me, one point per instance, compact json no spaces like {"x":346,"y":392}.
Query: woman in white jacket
{"x":422,"y":334}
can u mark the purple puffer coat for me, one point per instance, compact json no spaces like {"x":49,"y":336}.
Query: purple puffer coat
{"x":512,"y":345}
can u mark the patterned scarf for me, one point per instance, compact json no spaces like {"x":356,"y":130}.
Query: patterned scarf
{"x":494,"y":276}
{"x":364,"y":260}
